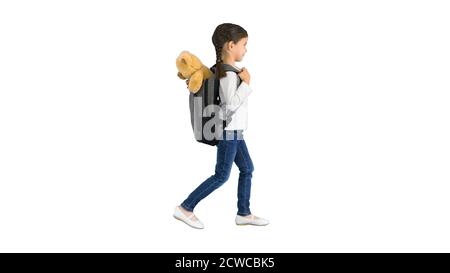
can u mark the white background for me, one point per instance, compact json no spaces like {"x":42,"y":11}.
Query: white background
{"x":348,"y":126}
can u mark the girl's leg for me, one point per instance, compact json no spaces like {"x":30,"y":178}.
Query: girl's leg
{"x":226,"y":152}
{"x":245,"y":165}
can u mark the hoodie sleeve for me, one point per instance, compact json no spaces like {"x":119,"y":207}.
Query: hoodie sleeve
{"x":233,"y":95}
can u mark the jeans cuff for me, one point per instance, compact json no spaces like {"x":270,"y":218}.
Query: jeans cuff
{"x":186,"y":208}
{"x":243,"y":214}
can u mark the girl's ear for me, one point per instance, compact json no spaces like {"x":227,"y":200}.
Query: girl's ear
{"x":228,"y":45}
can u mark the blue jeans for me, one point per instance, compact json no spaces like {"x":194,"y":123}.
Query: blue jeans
{"x":231,"y":149}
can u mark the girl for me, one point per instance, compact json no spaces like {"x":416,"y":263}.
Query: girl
{"x":229,"y":41}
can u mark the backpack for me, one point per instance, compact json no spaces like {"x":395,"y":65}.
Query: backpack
{"x":208,"y":119}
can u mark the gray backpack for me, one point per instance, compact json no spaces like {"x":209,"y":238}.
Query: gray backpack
{"x":208,"y":119}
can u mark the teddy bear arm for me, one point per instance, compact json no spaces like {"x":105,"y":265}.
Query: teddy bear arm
{"x":195,"y":82}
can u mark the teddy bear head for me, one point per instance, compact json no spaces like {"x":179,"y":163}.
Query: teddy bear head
{"x":190,"y":67}
{"x":188,"y":64}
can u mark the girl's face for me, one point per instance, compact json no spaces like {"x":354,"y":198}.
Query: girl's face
{"x":238,"y":50}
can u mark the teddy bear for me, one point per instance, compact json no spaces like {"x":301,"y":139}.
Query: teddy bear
{"x":191,"y":68}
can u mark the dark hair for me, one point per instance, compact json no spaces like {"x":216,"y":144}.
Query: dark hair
{"x":224,"y":33}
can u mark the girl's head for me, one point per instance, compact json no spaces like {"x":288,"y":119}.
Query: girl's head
{"x":229,"y":41}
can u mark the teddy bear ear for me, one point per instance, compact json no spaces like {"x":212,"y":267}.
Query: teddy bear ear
{"x":183,"y":60}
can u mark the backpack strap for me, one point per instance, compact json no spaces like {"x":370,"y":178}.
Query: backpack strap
{"x":229,"y":67}
{"x":226,"y":68}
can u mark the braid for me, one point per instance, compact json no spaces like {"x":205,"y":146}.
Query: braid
{"x":218,"y":55}
{"x":219,"y":62}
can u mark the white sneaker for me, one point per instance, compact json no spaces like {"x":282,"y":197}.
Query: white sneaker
{"x":252,"y":220}
{"x":195,"y":223}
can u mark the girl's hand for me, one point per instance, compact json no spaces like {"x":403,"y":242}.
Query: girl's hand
{"x":244,"y":75}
